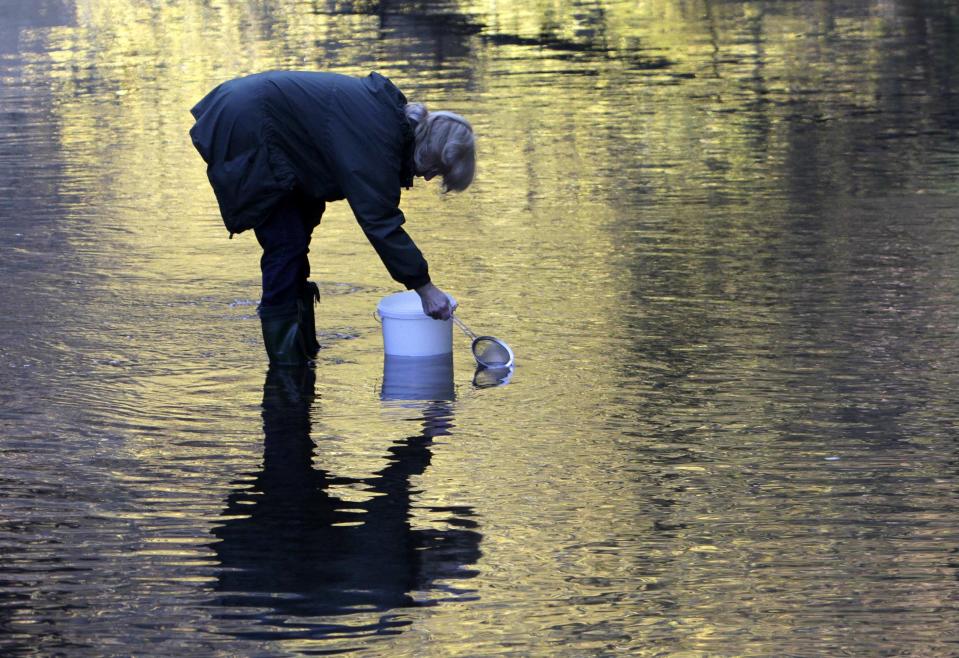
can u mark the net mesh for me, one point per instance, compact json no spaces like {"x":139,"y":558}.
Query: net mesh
{"x":491,"y":353}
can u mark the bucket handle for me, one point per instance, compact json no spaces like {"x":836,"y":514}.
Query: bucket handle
{"x":376,"y":316}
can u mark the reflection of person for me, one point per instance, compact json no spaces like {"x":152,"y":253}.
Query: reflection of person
{"x":289,"y":544}
{"x":279,"y":145}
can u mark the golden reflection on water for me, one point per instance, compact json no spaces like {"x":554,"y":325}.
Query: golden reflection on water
{"x":635,"y":158}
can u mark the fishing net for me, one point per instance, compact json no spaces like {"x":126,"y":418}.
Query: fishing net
{"x":489,"y":352}
{"x":492,"y":352}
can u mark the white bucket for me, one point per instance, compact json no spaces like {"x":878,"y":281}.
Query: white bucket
{"x":408,"y":331}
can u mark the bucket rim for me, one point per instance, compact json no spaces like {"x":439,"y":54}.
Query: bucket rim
{"x":393,"y":315}
{"x":412,"y":312}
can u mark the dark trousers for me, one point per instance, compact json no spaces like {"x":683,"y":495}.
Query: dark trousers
{"x":285,"y":238}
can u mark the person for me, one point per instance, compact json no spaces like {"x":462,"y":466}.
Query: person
{"x":279,"y":145}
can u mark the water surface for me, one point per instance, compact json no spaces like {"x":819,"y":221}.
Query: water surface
{"x":720,"y":237}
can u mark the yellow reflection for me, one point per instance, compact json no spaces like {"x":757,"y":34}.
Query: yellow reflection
{"x":583,"y":115}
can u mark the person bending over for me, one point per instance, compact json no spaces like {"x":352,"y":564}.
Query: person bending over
{"x":279,"y":145}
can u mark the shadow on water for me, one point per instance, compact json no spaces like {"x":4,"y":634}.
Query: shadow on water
{"x":291,"y":551}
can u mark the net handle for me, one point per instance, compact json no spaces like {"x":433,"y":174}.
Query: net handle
{"x":466,"y":330}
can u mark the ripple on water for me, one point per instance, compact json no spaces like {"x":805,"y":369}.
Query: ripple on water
{"x":721,"y":244}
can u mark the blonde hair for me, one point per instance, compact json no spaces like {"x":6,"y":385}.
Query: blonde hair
{"x":444,"y":142}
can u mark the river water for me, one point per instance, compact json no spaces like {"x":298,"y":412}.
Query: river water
{"x":721,"y":238}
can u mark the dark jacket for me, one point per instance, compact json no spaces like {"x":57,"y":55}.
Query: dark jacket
{"x":331,"y":136}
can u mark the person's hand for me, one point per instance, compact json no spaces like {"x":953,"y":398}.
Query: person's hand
{"x":436,"y":303}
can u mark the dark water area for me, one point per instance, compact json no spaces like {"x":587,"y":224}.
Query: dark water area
{"x":721,"y":238}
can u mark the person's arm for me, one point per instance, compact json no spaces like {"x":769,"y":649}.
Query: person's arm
{"x":367,"y":157}
{"x":382,"y":223}
{"x":400,"y":255}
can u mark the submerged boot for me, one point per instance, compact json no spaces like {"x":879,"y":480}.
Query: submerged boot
{"x":309,"y":297}
{"x":283,"y":335}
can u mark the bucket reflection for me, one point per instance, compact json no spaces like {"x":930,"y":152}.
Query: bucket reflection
{"x":299,"y":561}
{"x":418,"y":378}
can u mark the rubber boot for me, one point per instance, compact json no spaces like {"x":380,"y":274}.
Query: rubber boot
{"x":283,"y":335}
{"x":309,"y":297}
